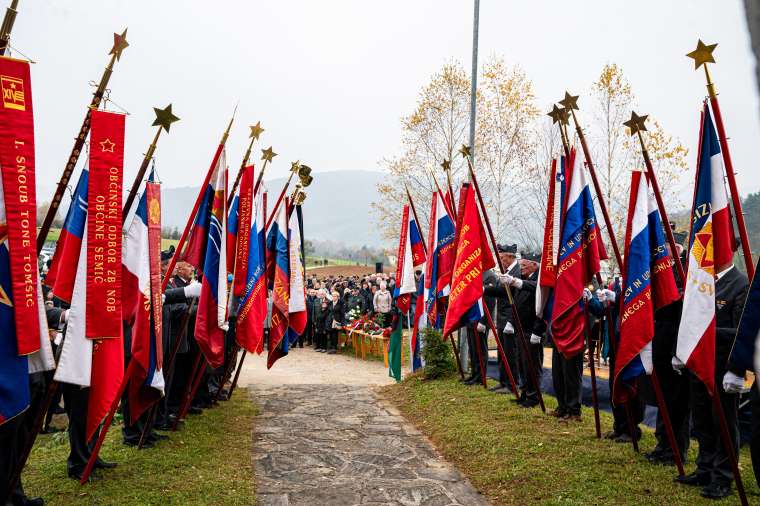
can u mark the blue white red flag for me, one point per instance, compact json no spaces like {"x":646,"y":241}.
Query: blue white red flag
{"x":253,"y":304}
{"x":473,"y":258}
{"x":278,"y":251}
{"x":211,"y":320}
{"x":146,"y":384}
{"x":710,"y":246}
{"x":648,"y":284}
{"x":297,"y":317}
{"x":580,"y":250}
{"x":63,"y":267}
{"x":441,"y":236}
{"x":410,"y":255}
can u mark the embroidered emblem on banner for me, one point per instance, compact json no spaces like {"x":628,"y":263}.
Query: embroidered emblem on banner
{"x":13,"y":93}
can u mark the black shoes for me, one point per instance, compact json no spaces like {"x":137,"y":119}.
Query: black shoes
{"x":693,"y":480}
{"x":716,"y":490}
{"x":529,"y":403}
{"x":102,"y":464}
{"x":194,"y":410}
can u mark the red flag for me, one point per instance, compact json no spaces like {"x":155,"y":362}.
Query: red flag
{"x":245,"y":212}
{"x":104,"y":259}
{"x":18,"y":165}
{"x":104,"y":229}
{"x":473,"y":258}
{"x":278,"y":250}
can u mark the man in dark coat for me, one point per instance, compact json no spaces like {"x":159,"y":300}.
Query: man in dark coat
{"x":714,"y":469}
{"x":503,"y":316}
{"x":480,"y":340}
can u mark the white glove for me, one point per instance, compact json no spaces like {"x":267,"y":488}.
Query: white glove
{"x":534,"y":339}
{"x":509,"y":329}
{"x":505,"y":279}
{"x":163,"y":299}
{"x":609,"y":296}
{"x":193,"y":290}
{"x":676,"y":364}
{"x":65,"y":316}
{"x":601,"y":295}
{"x":586,"y":295}
{"x":516,"y":282}
{"x":732,"y":383}
{"x":481,"y":327}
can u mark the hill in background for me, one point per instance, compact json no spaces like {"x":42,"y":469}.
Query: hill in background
{"x":337,"y":208}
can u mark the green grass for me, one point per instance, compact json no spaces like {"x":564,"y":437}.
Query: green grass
{"x":521,"y":456}
{"x":209,"y":461}
{"x":317,"y":261}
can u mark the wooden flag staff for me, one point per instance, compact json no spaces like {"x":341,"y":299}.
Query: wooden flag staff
{"x":119,"y":44}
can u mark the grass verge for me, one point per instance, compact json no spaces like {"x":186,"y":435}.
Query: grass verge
{"x":207,"y":462}
{"x":520,"y":456}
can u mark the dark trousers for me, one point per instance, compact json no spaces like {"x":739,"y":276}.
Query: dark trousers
{"x":309,"y":333}
{"x":183,"y":364}
{"x":675,"y":391}
{"x":332,"y":335}
{"x":620,"y":411}
{"x":528,"y":388}
{"x":75,"y":401}
{"x":320,"y":341}
{"x":131,"y":433}
{"x":473,"y":341}
{"x":567,"y":378}
{"x":712,"y":459}
{"x":754,"y":444}
{"x":509,"y":345}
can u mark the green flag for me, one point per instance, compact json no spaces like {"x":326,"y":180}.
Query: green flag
{"x":394,"y":349}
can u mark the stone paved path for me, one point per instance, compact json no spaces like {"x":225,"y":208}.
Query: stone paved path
{"x":339,"y":444}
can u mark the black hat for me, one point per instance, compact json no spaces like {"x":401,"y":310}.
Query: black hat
{"x":167,"y":254}
{"x":679,"y":237}
{"x":507,"y":248}
{"x":533,"y":257}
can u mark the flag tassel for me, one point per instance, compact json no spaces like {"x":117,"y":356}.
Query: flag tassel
{"x":515,"y":315}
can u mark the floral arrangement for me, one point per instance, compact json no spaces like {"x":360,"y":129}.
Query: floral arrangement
{"x":368,"y":324}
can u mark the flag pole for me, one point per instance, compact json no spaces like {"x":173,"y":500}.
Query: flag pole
{"x":446,"y":166}
{"x":256,"y":131}
{"x":190,"y":219}
{"x":663,"y":407}
{"x":7,"y":27}
{"x":515,"y":315}
{"x":592,"y":369}
{"x":119,"y":44}
{"x":503,"y":355}
{"x":192,"y":388}
{"x":164,"y":119}
{"x":295,"y":168}
{"x":570,"y":103}
{"x":702,"y":55}
{"x":636,"y":125}
{"x":267,"y":155}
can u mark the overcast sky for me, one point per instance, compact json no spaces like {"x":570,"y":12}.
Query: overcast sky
{"x":330,"y":79}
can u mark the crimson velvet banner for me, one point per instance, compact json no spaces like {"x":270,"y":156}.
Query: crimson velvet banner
{"x":17,"y":161}
{"x":153,"y":196}
{"x":104,"y":226}
{"x":245,"y":211}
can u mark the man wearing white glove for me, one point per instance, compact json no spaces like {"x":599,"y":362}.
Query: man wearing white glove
{"x":714,"y":469}
{"x":193,"y":290}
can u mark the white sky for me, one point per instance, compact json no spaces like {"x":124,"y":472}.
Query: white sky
{"x":330,"y":79}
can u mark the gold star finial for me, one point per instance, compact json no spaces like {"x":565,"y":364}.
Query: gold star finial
{"x":294,"y":166}
{"x":446,"y":165}
{"x":636,"y":123}
{"x":554,"y":114}
{"x":267,"y":154}
{"x":119,"y":44}
{"x":465,"y":151}
{"x":570,"y":102}
{"x":703,"y":54}
{"x":164,"y":117}
{"x":564,"y":115}
{"x":256,"y":130}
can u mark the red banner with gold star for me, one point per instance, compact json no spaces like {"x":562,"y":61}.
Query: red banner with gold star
{"x":104,"y":226}
{"x":17,"y":161}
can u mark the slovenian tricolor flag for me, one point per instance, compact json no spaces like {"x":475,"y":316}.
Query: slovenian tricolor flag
{"x":211,"y":321}
{"x":410,"y":255}
{"x":580,"y":250}
{"x":279,"y":283}
{"x":648,"y":284}
{"x":146,"y":382}
{"x":232,"y":231}
{"x":63,"y":268}
{"x":441,"y":262}
{"x":253,"y":303}
{"x":709,"y":246}
{"x":417,"y":325}
{"x":473,"y":258}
